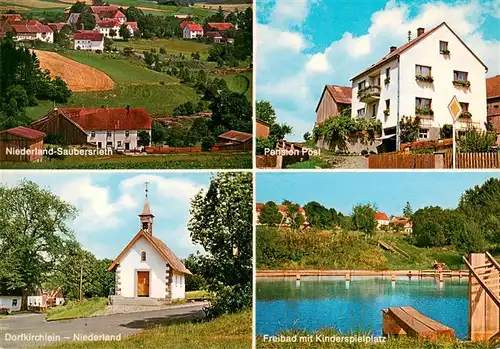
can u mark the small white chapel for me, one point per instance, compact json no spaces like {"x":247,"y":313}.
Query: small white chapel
{"x":147,"y":267}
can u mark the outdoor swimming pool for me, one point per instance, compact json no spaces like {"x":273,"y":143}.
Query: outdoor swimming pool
{"x":311,"y":304}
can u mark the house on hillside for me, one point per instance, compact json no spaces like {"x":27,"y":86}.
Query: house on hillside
{"x":146,"y":267}
{"x":192,"y":31}
{"x":219,"y":27}
{"x":114,"y":128}
{"x":235,"y":140}
{"x":88,"y":40}
{"x":403,"y":223}
{"x":108,"y":13}
{"x":420,"y":78}
{"x":382,"y":219}
{"x":493,"y":103}
{"x":132,"y":27}
{"x":215,"y":36}
{"x":109,"y":27}
{"x":28,"y":30}
{"x":21,"y":144}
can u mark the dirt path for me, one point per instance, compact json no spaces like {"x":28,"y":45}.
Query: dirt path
{"x":78,"y":76}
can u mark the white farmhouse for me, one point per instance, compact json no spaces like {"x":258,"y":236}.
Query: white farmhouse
{"x":420,"y":78}
{"x":30,"y":30}
{"x":109,"y":27}
{"x":147,"y":267}
{"x":11,"y":302}
{"x":192,"y":31}
{"x":88,"y":40}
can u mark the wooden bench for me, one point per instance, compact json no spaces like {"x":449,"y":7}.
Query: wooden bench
{"x":408,"y":321}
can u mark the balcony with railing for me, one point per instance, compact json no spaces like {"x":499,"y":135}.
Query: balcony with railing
{"x":369,"y":94}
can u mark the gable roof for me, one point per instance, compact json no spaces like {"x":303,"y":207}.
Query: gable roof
{"x":132,"y":25}
{"x":99,"y":119}
{"x":108,"y":23}
{"x":398,"y":51}
{"x":213,"y":34}
{"x":91,"y":35}
{"x":194,"y":27}
{"x":340,"y":94}
{"x":57,"y":26}
{"x":30,"y":26}
{"x":220,"y":26}
{"x":236,"y":136}
{"x":24,"y":132}
{"x":159,"y":246}
{"x":184,"y":24}
{"x":381,"y":216}
{"x":493,"y":87}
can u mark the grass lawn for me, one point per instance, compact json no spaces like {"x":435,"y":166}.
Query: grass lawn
{"x":241,"y":83}
{"x":119,"y":68}
{"x":197,"y":295}
{"x":313,"y":162}
{"x":75,"y":309}
{"x":170,"y":45}
{"x":226,"y":332}
{"x":402,"y":342}
{"x":239,"y":160}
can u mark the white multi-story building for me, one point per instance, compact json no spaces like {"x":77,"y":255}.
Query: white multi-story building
{"x":420,"y":78}
{"x":109,"y":26}
{"x":192,"y":31}
{"x":88,"y":40}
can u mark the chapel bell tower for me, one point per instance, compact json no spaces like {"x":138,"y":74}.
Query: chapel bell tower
{"x":146,"y":216}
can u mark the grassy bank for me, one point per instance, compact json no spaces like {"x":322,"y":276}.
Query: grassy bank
{"x":315,"y":249}
{"x":175,"y":161}
{"x":390,"y":343}
{"x":227,"y":332}
{"x":76,"y":309}
{"x":195,"y":295}
{"x":240,"y":83}
{"x":177,"y":46}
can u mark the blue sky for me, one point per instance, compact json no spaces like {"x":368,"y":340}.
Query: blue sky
{"x":109,"y":202}
{"x":388,"y":190}
{"x":304,"y":44}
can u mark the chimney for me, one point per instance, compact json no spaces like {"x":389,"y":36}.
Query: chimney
{"x":393,"y":48}
{"x":420,"y":31}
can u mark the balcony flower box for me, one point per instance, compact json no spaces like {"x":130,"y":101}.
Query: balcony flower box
{"x":387,"y":80}
{"x":466,"y":115}
{"x":387,"y":112}
{"x":424,"y":111}
{"x":445,"y":52}
{"x":369,"y":91}
{"x":424,"y":78}
{"x":464,"y":83}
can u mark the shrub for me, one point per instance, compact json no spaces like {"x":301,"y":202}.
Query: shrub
{"x":446,"y":131}
{"x":207,"y":143}
{"x":474,"y":141}
{"x":363,"y":218}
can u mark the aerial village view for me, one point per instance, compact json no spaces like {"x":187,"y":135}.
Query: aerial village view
{"x":411,"y":85}
{"x":126,"y":84}
{"x":377,"y":260}
{"x":94,"y":260}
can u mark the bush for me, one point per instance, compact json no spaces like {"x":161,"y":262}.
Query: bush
{"x":446,"y":131}
{"x":474,"y":141}
{"x":207,"y":143}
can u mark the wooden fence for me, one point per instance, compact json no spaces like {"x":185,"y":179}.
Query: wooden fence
{"x":473,"y":160}
{"x":438,"y":160}
{"x":401,"y":160}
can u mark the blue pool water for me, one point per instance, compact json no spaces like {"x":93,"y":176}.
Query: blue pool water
{"x":330,"y":303}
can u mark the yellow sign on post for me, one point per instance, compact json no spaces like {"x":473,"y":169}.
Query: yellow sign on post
{"x":455,"y":110}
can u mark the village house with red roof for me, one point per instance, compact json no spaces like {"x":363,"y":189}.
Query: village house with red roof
{"x":25,"y":30}
{"x":147,"y":267}
{"x":89,"y":40}
{"x":420,"y":78}
{"x":493,"y":103}
{"x":192,"y":30}
{"x":382,"y":219}
{"x":114,"y":128}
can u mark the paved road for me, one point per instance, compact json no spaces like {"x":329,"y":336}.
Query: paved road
{"x":25,"y":330}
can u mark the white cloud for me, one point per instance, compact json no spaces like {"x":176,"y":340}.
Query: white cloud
{"x":317,"y":64}
{"x":272,"y":39}
{"x":293,"y":78}
{"x":293,"y":12}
